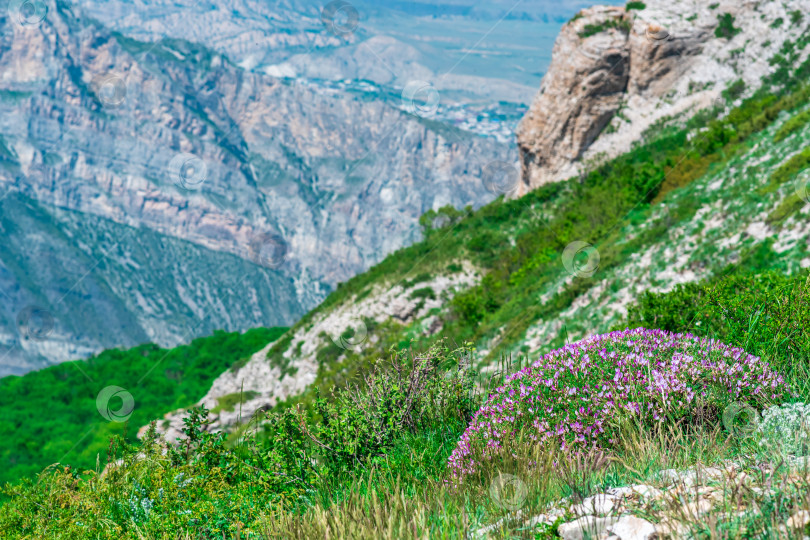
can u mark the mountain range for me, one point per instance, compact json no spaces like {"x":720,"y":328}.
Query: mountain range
{"x":155,"y":189}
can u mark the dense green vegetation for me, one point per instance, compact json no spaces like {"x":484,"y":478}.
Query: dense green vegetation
{"x":403,"y":422}
{"x":370,"y":460}
{"x":363,"y":454}
{"x":767,"y":314}
{"x":792,"y":125}
{"x":53,"y":412}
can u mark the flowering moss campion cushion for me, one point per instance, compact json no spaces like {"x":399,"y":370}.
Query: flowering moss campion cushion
{"x":571,"y":395}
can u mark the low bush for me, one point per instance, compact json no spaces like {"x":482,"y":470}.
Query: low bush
{"x":725,"y":26}
{"x":404,"y":417}
{"x":622,"y":25}
{"x":786,"y":429}
{"x":359,"y":425}
{"x":577,"y":396}
{"x":792,"y":125}
{"x":766,"y":313}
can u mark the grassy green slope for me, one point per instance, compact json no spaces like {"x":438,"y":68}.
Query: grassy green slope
{"x":723,"y":187}
{"x":51,"y":415}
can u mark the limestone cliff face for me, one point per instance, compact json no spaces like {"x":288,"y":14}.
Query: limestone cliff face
{"x":615,"y":72}
{"x":304,"y":185}
{"x":579,"y":95}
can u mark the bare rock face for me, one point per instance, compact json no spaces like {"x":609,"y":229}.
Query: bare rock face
{"x":579,"y":95}
{"x":614,"y":73}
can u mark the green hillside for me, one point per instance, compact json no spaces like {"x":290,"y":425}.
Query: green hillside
{"x":691,"y":198}
{"x":373,"y":462}
{"x":673,"y":336}
{"x":53,"y":416}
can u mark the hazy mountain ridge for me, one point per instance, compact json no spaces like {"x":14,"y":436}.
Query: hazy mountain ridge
{"x":390,"y":43}
{"x":111,"y":285}
{"x":314,"y":186}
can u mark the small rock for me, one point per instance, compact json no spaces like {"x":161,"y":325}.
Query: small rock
{"x":712,"y":473}
{"x":642,"y":490}
{"x":489,"y":528}
{"x":711,"y":493}
{"x":697,"y":508}
{"x":547,"y":519}
{"x":799,"y":519}
{"x":632,"y":528}
{"x":537,"y":520}
{"x":598,"y":504}
{"x":686,"y":478}
{"x":590,"y":526}
{"x":763,"y":492}
{"x":672,"y":528}
{"x":741,"y":478}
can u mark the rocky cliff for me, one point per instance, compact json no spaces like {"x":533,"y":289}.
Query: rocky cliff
{"x":615,"y":72}
{"x":304,"y":185}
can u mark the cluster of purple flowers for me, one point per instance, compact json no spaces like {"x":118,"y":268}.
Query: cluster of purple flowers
{"x":571,"y":395}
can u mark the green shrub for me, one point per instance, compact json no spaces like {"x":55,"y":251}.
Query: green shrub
{"x":229,"y":402}
{"x":797,"y":163}
{"x":792,"y":125}
{"x":424,"y":292}
{"x":593,"y":29}
{"x":635,"y":5}
{"x":408,"y":283}
{"x":767,"y":314}
{"x":725,"y":26}
{"x":734,"y":90}
{"x":159,"y":380}
{"x":399,"y":396}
